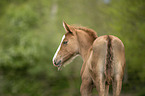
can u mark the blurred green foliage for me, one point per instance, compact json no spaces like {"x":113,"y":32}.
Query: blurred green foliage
{"x":31,"y":30}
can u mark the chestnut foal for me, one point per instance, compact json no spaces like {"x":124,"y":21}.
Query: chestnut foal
{"x":103,"y":59}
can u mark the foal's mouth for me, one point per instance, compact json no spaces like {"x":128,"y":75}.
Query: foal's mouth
{"x":57,"y":64}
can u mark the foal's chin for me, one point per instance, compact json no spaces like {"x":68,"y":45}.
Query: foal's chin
{"x":62,"y":65}
{"x":66,"y":62}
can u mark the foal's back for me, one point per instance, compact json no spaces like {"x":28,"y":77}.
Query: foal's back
{"x":108,"y":62}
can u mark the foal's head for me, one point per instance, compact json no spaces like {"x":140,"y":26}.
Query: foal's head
{"x":72,"y":42}
{"x":68,"y":47}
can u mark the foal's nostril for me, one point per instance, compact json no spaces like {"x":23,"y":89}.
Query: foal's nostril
{"x":54,"y":62}
{"x":57,"y":63}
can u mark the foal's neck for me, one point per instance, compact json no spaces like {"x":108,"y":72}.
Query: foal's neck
{"x":85,"y":43}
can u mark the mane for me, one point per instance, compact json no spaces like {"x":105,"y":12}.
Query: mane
{"x":91,"y":32}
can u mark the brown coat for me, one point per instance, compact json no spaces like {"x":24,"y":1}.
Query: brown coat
{"x":103,"y":57}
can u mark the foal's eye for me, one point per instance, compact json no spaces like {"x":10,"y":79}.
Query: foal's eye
{"x":65,"y":42}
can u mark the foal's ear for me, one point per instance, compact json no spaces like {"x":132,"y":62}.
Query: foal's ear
{"x":66,"y":27}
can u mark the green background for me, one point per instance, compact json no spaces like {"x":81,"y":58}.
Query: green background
{"x":31,"y":30}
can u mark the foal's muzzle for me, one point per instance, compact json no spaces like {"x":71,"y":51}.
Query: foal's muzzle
{"x":57,"y":63}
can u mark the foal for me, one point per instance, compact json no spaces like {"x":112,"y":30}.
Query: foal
{"x":103,"y":59}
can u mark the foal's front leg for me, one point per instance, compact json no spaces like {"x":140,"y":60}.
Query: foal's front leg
{"x":86,"y":87}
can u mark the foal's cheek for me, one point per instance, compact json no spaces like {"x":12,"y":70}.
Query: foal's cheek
{"x":75,"y":48}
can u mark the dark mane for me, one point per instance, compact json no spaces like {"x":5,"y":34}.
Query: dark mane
{"x":91,"y":32}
